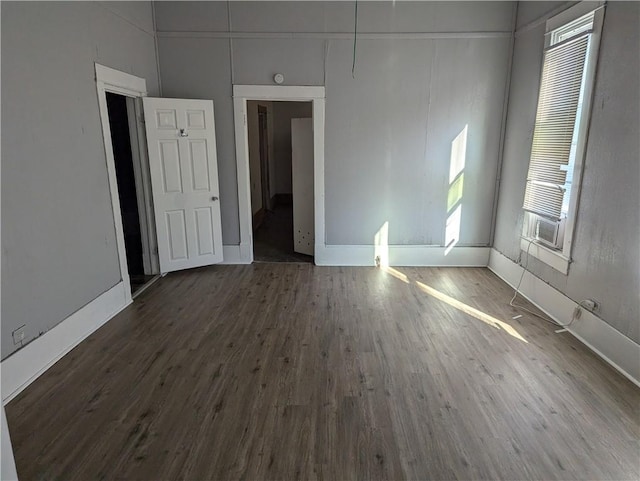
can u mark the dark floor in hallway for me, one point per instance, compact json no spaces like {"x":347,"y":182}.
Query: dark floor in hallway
{"x":273,"y":240}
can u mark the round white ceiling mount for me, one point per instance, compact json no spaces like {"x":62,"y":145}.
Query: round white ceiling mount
{"x":278,"y":78}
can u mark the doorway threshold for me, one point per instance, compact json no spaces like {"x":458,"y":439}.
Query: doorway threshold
{"x":137,"y":289}
{"x":307,"y":262}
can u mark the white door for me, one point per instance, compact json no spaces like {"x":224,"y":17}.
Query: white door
{"x":302,"y":185}
{"x":184,"y":181}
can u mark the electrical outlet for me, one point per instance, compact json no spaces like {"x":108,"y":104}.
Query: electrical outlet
{"x":589,"y":305}
{"x":18,"y":335}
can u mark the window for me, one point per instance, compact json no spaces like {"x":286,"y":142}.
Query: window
{"x":559,"y":137}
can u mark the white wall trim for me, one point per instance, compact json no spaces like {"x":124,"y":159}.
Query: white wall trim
{"x":278,"y":92}
{"x":246,"y":252}
{"x":550,"y":257}
{"x":522,"y":29}
{"x":27,"y":364}
{"x":334,"y":35}
{"x":242,"y":93}
{"x":111,"y":80}
{"x":559,"y":12}
{"x":611,"y":345}
{"x":234,"y":254}
{"x":402,"y":255}
{"x":572,"y":13}
{"x":122,"y":80}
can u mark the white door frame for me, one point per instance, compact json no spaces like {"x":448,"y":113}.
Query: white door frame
{"x":111,"y":80}
{"x":242,"y":93}
{"x":142,"y":176}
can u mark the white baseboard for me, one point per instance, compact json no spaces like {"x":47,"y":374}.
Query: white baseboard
{"x":398,"y":255}
{"x":236,"y":254}
{"x":26,"y":365}
{"x":611,"y":345}
{"x":359,"y":255}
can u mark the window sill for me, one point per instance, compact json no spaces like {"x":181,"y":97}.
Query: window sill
{"x":550,"y":257}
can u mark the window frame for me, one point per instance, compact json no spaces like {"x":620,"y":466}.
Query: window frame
{"x":561,"y":258}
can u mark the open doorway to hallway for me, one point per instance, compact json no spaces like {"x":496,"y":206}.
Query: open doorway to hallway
{"x":133,"y":204}
{"x":281,"y":173}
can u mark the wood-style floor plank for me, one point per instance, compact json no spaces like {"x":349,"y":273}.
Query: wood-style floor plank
{"x":291,"y":371}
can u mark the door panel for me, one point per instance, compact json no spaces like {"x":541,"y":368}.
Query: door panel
{"x":302,"y":185}
{"x":199,"y":165}
{"x":184,"y":181}
{"x":204,"y":230}
{"x":170,"y":162}
{"x":166,"y":119}
{"x":196,"y":119}
{"x":176,"y":230}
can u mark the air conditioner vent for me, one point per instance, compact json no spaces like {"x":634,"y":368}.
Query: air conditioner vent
{"x":547,"y":232}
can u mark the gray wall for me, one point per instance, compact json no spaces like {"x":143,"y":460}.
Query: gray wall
{"x":389,"y":130}
{"x":58,"y":237}
{"x":283,"y":112}
{"x":606,"y":257}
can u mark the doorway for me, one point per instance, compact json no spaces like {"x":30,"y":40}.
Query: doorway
{"x":242,"y":95}
{"x":281,"y":176}
{"x":129,"y":178}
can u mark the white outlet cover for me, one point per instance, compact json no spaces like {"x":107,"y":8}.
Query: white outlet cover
{"x":18,"y":335}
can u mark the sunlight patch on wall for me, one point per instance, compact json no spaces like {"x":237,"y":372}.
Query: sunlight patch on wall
{"x":452,"y":229}
{"x":458,"y":154}
{"x":454,"y":195}
{"x":456,"y":190}
{"x":381,"y":243}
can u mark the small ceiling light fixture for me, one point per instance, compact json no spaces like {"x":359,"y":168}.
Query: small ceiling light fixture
{"x":278,"y":78}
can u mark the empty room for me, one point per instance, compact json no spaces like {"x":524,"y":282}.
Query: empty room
{"x":320,"y":240}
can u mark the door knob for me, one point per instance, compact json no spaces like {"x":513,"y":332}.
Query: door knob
{"x":183,"y":133}
{"x":214,"y":198}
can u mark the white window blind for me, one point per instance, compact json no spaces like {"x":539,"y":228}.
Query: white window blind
{"x":562,"y":74}
{"x":572,"y":29}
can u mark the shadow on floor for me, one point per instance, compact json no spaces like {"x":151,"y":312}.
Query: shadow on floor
{"x":273,"y":240}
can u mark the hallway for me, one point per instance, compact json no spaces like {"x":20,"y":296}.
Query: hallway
{"x":273,"y":240}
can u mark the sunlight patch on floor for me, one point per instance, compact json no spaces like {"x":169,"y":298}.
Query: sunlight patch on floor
{"x":461,"y":306}
{"x":472,"y":311}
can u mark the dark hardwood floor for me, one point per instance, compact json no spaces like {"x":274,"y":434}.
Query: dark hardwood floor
{"x":290,"y":371}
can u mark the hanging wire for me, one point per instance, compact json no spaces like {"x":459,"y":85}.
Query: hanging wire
{"x":544,"y":318}
{"x":355,"y":39}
